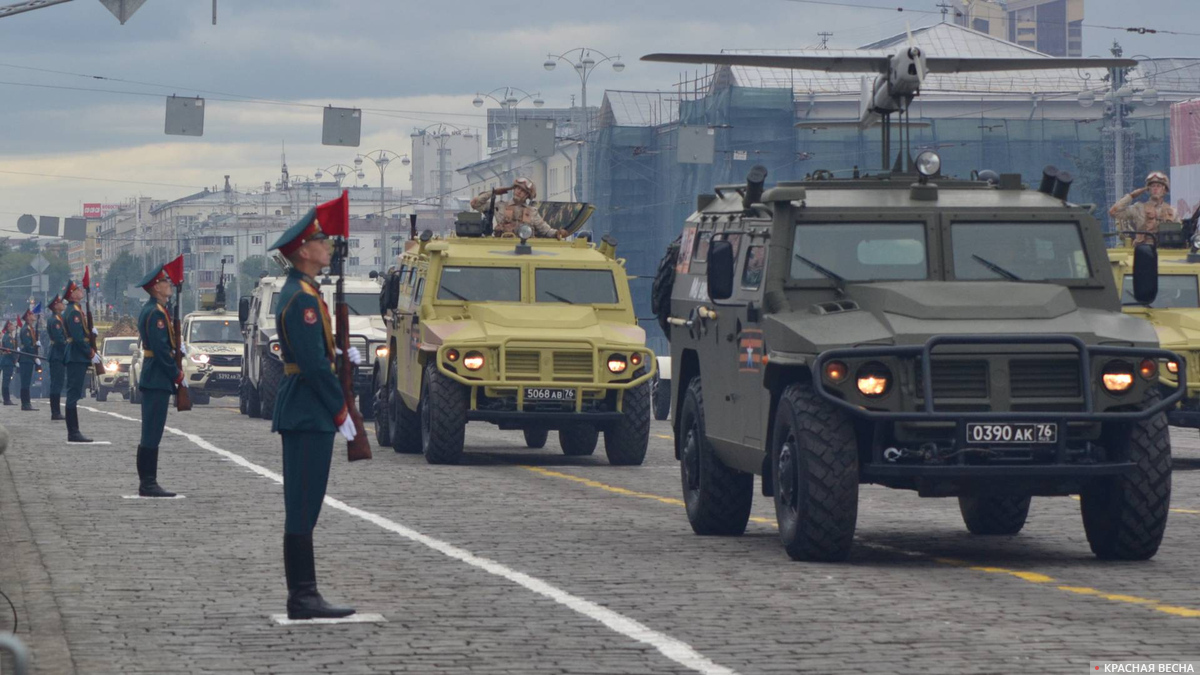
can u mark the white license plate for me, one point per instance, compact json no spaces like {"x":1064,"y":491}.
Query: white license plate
{"x":544,"y":394}
{"x":220,"y":377}
{"x":1037,"y":433}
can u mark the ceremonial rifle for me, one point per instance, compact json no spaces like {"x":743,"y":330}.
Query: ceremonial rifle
{"x":334,"y":219}
{"x":174,"y":269}
{"x":91,"y":327}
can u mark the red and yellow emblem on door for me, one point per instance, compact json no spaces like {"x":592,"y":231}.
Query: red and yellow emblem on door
{"x":750,"y":351}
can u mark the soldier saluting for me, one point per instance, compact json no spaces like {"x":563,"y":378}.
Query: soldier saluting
{"x":159,"y":377}
{"x":520,"y":211}
{"x":8,"y":360}
{"x":80,"y":357}
{"x":28,"y":359}
{"x":56,"y":359}
{"x":309,"y":409}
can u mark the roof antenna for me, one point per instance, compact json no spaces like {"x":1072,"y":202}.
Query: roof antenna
{"x":945,"y":9}
{"x":824,"y":35}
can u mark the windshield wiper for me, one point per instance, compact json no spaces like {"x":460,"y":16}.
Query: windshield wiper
{"x":996,"y":268}
{"x":460,"y":296}
{"x":830,"y":274}
{"x":558,"y":297}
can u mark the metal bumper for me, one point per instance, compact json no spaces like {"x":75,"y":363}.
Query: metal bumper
{"x":1184,"y":418}
{"x":114,"y":379}
{"x":551,"y":420}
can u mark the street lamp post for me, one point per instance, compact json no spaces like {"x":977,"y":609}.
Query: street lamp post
{"x":584,"y":63}
{"x":382,"y":159}
{"x":509,"y":101}
{"x":441,"y":136}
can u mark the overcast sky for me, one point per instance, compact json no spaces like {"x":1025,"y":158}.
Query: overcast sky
{"x":424,"y":61}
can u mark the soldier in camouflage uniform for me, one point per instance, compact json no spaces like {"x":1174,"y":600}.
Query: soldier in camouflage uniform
{"x":1146,"y":216}
{"x":159,"y":378}
{"x":56,"y":360}
{"x":309,"y":409}
{"x":520,"y":211}
{"x":27,"y":359}
{"x":8,"y":360}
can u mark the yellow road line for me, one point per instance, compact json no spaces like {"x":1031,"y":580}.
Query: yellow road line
{"x":1029,"y":577}
{"x":669,"y":438}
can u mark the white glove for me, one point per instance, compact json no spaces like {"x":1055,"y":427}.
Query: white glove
{"x":37,"y":362}
{"x":96,"y":359}
{"x":95,"y":332}
{"x":355,"y":355}
{"x":183,"y":383}
{"x":183,"y":350}
{"x":347,"y":429}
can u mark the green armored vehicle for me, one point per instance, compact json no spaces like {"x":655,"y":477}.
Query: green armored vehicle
{"x":957,"y":338}
{"x":535,"y":335}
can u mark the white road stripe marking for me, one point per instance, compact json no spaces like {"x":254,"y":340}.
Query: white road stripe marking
{"x":676,"y":650}
{"x":282,"y":620}
{"x":157,"y":499}
{"x":90,"y":442}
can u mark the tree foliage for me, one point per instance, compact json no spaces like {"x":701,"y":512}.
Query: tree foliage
{"x":123,"y":272}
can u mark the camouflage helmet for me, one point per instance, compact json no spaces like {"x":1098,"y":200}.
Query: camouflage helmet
{"x":1160,"y":178}
{"x":526,"y":185}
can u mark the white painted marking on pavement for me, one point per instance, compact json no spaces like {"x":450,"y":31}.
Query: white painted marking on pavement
{"x":676,"y":650}
{"x":91,"y":443}
{"x":282,"y":620}
{"x":157,"y":499}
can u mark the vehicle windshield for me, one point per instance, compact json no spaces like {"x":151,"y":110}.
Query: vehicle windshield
{"x":859,"y":252}
{"x":119,"y":346}
{"x":1018,"y":251}
{"x":225,"y":330}
{"x":362,"y":304}
{"x":576,"y":287}
{"x":480,"y":284}
{"x":273,"y":303}
{"x":1174,"y":290}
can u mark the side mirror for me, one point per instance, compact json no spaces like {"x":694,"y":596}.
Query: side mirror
{"x":720,"y":270}
{"x":1145,"y":273}
{"x":243,"y":311}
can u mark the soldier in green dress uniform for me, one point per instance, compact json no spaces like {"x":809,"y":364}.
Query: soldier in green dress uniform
{"x":8,"y":360}
{"x":159,"y":378}
{"x":80,"y":357}
{"x":56,"y":359}
{"x":309,"y":409}
{"x":28,"y":359}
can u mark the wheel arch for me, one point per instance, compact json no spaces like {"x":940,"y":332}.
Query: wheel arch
{"x":685,"y":370}
{"x":776,"y":379}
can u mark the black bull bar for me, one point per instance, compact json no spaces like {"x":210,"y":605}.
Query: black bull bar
{"x":930,"y":413}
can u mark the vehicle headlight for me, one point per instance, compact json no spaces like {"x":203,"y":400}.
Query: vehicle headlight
{"x":1173,"y":367}
{"x":381,"y":352}
{"x":617,"y":363}
{"x":473,"y":361}
{"x":111,"y":366}
{"x":873,"y":380}
{"x":199,"y":358}
{"x":524,"y":231}
{"x":928,"y":163}
{"x":274,"y":347}
{"x":1118,"y":377}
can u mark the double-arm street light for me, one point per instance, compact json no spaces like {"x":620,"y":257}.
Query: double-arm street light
{"x":583,"y":60}
{"x":382,"y":159}
{"x":509,"y":100}
{"x":339,"y":172}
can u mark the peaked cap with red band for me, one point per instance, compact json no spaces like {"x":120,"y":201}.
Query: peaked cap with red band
{"x":71,"y":287}
{"x":172,"y":271}
{"x":305,"y":230}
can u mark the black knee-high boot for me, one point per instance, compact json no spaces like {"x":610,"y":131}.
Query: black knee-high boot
{"x":73,"y":435}
{"x":25,"y":401}
{"x":55,"y":408}
{"x":147,"y":466}
{"x":304,"y":602}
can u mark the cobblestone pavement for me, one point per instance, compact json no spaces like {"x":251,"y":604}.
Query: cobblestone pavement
{"x":528,"y":561}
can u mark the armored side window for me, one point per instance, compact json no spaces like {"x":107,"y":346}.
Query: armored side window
{"x":752,"y":271}
{"x":702,"y":241}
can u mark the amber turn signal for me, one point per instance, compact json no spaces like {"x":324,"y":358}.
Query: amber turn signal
{"x":835,"y":371}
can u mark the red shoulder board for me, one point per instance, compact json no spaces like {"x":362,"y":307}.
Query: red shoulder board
{"x":310,"y":315}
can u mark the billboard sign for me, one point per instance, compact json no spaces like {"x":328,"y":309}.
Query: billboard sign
{"x":1185,"y":157}
{"x":96,"y":210}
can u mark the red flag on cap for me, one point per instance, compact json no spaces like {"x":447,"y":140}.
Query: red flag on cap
{"x":86,"y":270}
{"x":174,"y":269}
{"x":334,"y":216}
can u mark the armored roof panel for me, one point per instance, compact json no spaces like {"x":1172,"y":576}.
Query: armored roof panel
{"x":494,"y":248}
{"x":897,"y":195}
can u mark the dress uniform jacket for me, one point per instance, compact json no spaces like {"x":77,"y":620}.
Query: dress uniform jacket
{"x":159,"y":372}
{"x":58,"y":339}
{"x":310,"y":397}
{"x":79,"y":350}
{"x":29,"y":344}
{"x":8,"y":359}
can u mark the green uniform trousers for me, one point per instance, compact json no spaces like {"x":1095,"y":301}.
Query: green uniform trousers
{"x":58,"y":372}
{"x":306,"y":459}
{"x":154,"y":416}
{"x":26,"y":375}
{"x":7,"y":374}
{"x":76,"y":373}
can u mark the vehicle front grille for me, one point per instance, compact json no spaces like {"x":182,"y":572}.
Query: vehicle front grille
{"x":521,"y":365}
{"x":224,"y":360}
{"x":1044,"y":378}
{"x":573,"y":366}
{"x":955,"y":378}
{"x":122,"y":367}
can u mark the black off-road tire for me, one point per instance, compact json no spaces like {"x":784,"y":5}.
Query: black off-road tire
{"x":814,"y":465}
{"x":443,"y":417}
{"x":405,"y":424}
{"x":994,"y":514}
{"x":101,"y":394}
{"x":664,"y":284}
{"x":366,"y":404}
{"x":579,"y":440}
{"x":1125,"y":516}
{"x":660,"y":395}
{"x":253,"y":402}
{"x":536,"y":438}
{"x":135,"y":394}
{"x":268,"y":385}
{"x":718,"y":498}
{"x":383,"y":432}
{"x":625,"y":442}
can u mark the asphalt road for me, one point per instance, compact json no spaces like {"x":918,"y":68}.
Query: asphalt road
{"x":527,"y":561}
